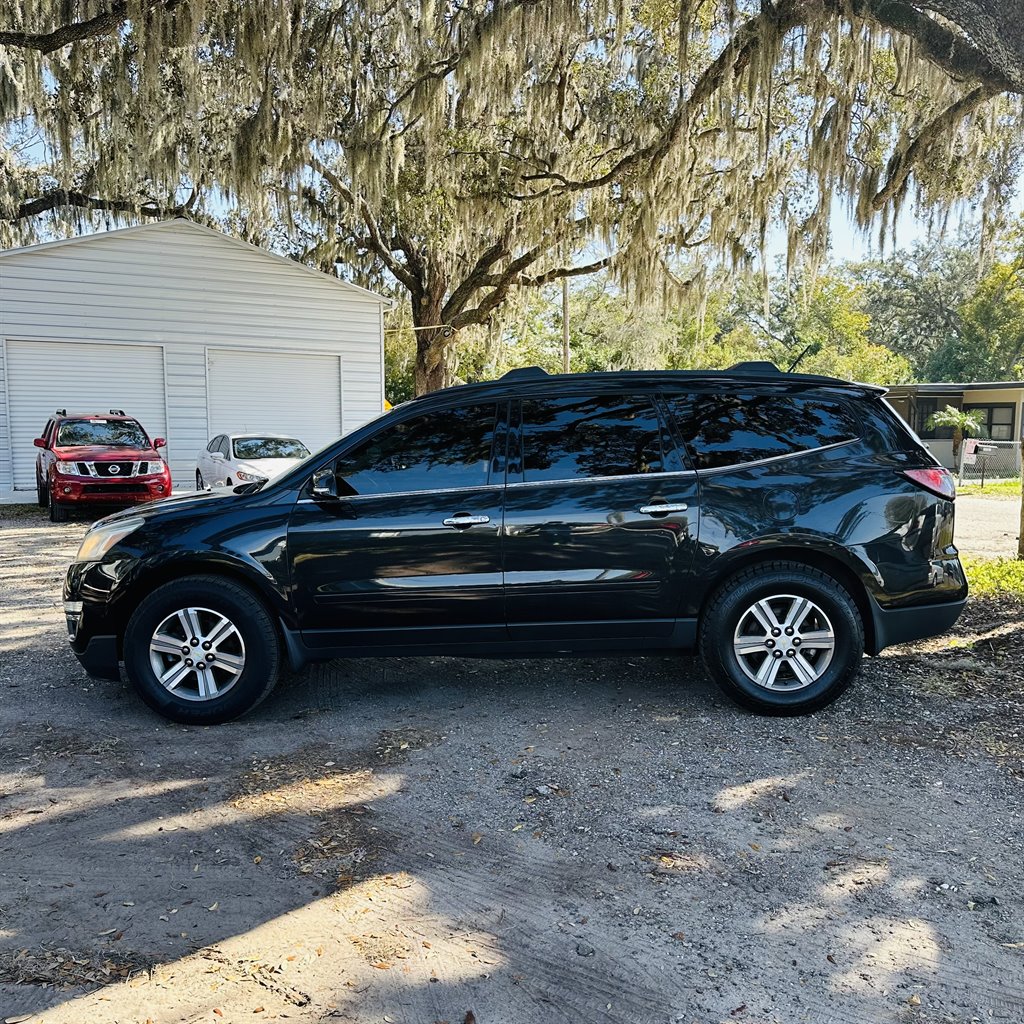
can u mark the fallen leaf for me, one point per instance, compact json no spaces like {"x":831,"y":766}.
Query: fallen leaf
{"x":256,"y":860}
{"x":382,"y":965}
{"x":914,"y":1000}
{"x":220,"y":1013}
{"x":476,"y":838}
{"x":215,"y":906}
{"x":679,"y":936}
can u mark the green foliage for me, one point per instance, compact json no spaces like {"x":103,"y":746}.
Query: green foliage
{"x":999,"y":489}
{"x":959,"y":421}
{"x":995,"y":577}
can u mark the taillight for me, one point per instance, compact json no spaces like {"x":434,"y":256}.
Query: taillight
{"x":937,"y":480}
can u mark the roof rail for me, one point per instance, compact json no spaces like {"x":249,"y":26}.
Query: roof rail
{"x":524,"y":372}
{"x":755,"y":366}
{"x":61,"y":412}
{"x":117,"y":412}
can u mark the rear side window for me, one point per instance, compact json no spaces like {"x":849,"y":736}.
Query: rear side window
{"x":728,"y":430}
{"x":436,"y":451}
{"x":594,"y":436}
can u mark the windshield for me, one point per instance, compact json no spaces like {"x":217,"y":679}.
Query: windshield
{"x":269,"y":448}
{"x":112,"y":433}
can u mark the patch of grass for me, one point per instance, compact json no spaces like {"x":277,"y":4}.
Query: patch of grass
{"x":991,"y":577}
{"x":992,"y":489}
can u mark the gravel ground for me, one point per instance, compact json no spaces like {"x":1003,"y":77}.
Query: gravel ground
{"x":523,"y":842}
{"x":987,"y":527}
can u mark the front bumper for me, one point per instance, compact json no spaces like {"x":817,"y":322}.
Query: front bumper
{"x":91,"y":632}
{"x":99,"y":657}
{"x":127,"y":491}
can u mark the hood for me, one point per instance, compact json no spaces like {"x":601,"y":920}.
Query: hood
{"x":176,"y":503}
{"x":267,"y":467}
{"x":104,"y":453}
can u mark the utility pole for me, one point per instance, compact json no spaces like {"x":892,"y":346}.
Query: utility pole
{"x":565,"y":325}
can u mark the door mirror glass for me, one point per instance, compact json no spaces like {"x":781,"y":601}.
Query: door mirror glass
{"x":39,"y":442}
{"x":325,"y":484}
{"x":160,"y":442}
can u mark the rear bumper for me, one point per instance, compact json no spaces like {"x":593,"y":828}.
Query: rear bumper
{"x":903,"y":625}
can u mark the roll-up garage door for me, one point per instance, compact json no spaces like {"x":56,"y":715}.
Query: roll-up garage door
{"x":275,"y":392}
{"x":84,"y":376}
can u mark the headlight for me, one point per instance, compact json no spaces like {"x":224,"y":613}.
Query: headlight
{"x":242,"y":475}
{"x":153,"y":467}
{"x":67,"y":468}
{"x":101,"y":538}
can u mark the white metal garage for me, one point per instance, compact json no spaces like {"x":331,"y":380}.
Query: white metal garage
{"x":40,"y":382}
{"x":192,"y":332}
{"x":295,"y":394}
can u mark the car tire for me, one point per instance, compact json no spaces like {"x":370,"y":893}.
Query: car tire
{"x":59,"y":512}
{"x":769,"y":597}
{"x":200,"y":482}
{"x":228,"y":482}
{"x":42,"y":495}
{"x":207,"y":602}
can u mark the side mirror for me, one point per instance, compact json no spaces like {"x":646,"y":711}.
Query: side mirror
{"x":160,"y":442}
{"x":325,"y":485}
{"x":39,"y":442}
{"x":217,"y":456}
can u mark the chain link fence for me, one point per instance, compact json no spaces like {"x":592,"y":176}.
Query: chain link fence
{"x":982,"y":461}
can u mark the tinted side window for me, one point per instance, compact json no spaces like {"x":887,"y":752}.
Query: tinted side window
{"x":449,"y":448}
{"x":601,"y":435}
{"x":727,"y":430}
{"x":214,"y":444}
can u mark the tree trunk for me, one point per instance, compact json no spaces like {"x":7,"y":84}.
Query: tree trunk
{"x":432,"y":360}
{"x":433,"y":342}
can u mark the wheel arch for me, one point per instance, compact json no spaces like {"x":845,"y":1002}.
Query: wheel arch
{"x":155,"y":576}
{"x":814,"y":558}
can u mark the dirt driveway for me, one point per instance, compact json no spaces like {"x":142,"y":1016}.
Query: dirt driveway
{"x":529,"y":842}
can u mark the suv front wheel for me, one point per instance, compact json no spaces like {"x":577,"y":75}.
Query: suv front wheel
{"x":201,"y":650}
{"x":782,"y":638}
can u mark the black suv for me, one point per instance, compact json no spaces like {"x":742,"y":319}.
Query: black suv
{"x":781,"y":524}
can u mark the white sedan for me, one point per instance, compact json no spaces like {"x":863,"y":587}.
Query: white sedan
{"x":231,"y":459}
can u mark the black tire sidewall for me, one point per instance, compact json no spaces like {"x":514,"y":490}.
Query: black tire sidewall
{"x":245,"y":611}
{"x":719,"y":630}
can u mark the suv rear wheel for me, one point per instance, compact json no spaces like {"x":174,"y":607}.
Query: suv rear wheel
{"x":782,"y":638}
{"x":201,"y":650}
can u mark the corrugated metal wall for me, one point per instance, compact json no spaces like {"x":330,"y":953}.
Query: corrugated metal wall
{"x":183,"y":289}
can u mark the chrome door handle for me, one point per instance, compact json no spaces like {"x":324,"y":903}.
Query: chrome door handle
{"x":463,"y":520}
{"x":662,"y":509}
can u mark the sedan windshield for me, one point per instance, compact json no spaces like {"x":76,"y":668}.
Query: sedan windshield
{"x":111,"y":433}
{"x":269,"y":448}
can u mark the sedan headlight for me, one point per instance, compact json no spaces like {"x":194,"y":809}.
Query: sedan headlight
{"x":67,"y":468}
{"x":102,"y":537}
{"x":242,"y":475}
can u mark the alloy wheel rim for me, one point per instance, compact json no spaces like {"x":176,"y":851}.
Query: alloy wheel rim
{"x":197,"y":654}
{"x":784,"y":642}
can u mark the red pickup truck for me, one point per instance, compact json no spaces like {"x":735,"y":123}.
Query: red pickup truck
{"x":97,"y":459}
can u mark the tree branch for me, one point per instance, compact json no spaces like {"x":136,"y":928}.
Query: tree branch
{"x":398,"y":269}
{"x":954,"y":53}
{"x":98,"y":25}
{"x":902,"y":162}
{"x":54,"y":199}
